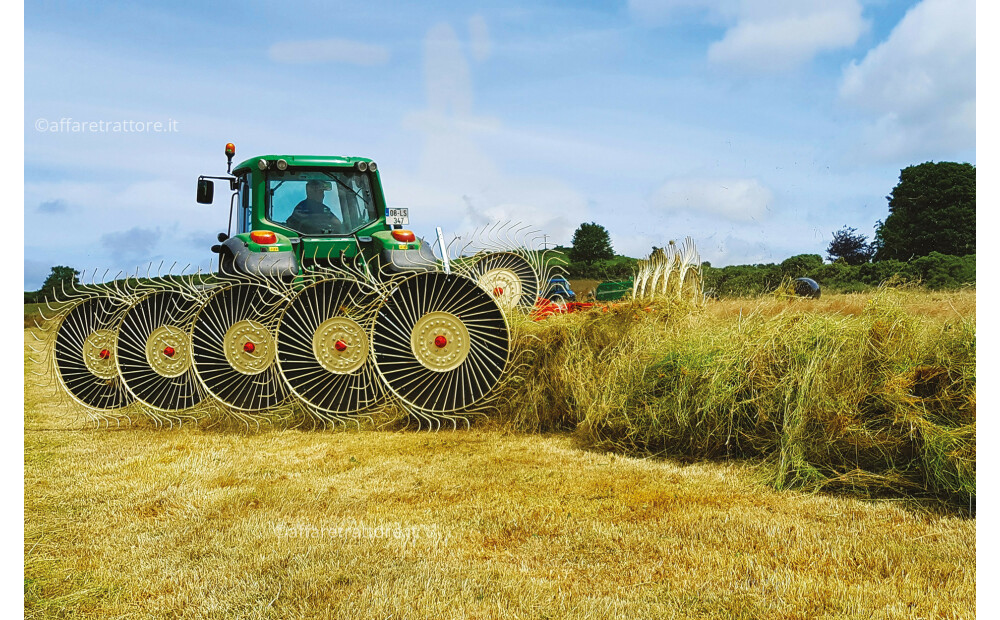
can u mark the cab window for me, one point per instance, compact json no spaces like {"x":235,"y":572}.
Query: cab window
{"x":244,"y":217}
{"x":334,"y":201}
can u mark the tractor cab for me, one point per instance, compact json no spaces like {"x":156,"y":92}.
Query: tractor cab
{"x":292,"y":212}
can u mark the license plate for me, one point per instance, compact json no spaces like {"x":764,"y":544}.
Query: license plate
{"x":399,"y":217}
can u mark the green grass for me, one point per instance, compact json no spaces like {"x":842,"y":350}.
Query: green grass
{"x":33,"y":314}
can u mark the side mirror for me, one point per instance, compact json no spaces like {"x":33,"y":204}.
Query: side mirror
{"x":206,"y":191}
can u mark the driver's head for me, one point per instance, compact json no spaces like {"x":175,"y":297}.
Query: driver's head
{"x":315,"y":190}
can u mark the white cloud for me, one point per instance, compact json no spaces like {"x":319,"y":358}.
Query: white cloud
{"x":329,"y":50}
{"x":735,"y":247}
{"x":781,"y":36}
{"x":733,"y":250}
{"x":636,"y":244}
{"x":479,"y":38}
{"x":764,"y":35}
{"x":458,"y":183}
{"x":732,"y":199}
{"x":446,"y":73}
{"x":920,"y":82}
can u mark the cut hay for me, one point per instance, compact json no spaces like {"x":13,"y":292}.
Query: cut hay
{"x":876,"y":402}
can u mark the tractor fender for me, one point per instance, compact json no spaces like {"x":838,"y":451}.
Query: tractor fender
{"x":235,"y":254}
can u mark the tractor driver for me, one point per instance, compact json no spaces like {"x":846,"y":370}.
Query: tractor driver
{"x":311,"y":215}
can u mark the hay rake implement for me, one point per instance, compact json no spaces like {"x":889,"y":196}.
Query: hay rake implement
{"x":324,"y":308}
{"x":331,"y":345}
{"x":671,"y":272}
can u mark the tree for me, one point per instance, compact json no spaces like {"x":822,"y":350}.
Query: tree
{"x":60,"y":279}
{"x":931,"y":209}
{"x":849,"y":245}
{"x":591,"y":242}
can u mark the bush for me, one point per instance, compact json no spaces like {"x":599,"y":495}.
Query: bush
{"x":941,"y":271}
{"x":935,"y":271}
{"x":796,"y":266}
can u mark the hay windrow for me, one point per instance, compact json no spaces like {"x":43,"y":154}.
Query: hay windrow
{"x":871,"y":402}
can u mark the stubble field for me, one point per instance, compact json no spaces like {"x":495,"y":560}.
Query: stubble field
{"x":209,"y":522}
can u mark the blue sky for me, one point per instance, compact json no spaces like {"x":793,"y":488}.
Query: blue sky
{"x":757,"y":127}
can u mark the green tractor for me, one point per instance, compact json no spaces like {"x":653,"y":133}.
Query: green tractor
{"x":295,"y":212}
{"x":322,"y":302}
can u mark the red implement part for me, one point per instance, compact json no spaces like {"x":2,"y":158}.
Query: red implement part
{"x":545,"y":308}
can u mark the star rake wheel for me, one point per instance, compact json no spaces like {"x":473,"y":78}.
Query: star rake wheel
{"x":233,"y":347}
{"x":509,"y":277}
{"x":441,"y":342}
{"x":154,"y":352}
{"x":324,"y":349}
{"x":85,"y":352}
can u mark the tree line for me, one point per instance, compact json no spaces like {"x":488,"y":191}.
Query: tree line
{"x":929,"y":236}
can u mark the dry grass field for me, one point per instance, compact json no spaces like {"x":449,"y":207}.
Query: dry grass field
{"x":202,"y":522}
{"x":930,"y":305}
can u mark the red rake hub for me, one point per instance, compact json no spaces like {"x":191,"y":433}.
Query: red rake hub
{"x":105,"y":354}
{"x":340,"y":345}
{"x":440,"y":342}
{"x":168,"y":351}
{"x":249,"y":347}
{"x":498,"y":291}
